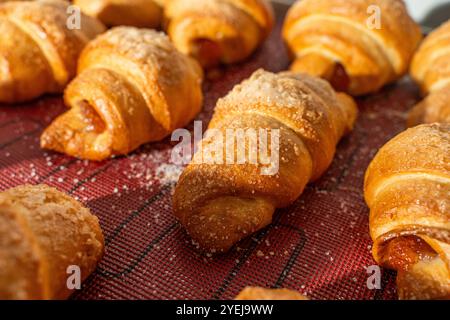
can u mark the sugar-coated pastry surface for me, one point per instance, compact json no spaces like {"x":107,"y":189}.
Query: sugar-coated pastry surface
{"x":133,"y":87}
{"x":42,"y":233}
{"x":221,"y":203}
{"x":407,"y":188}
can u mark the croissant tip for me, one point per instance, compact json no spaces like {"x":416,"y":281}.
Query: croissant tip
{"x":55,"y":138}
{"x":48,"y":139}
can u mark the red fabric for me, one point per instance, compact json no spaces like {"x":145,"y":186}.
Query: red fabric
{"x":319,"y":246}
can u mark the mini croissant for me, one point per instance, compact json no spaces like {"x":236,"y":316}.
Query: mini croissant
{"x":43,"y":234}
{"x":136,"y":13}
{"x":132,"y":87}
{"x":218,"y":31}
{"x":431,"y":70}
{"x":342,"y":41}
{"x":38,"y":51}
{"x":220,"y":202}
{"x":407,"y":188}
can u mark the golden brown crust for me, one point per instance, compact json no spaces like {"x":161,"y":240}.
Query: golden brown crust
{"x":220,"y":204}
{"x":39,"y":53}
{"x":324,"y":33}
{"x":407,"y":188}
{"x":218,"y":31}
{"x":430,"y":67}
{"x":431,"y":70}
{"x":434,"y":108}
{"x":427,"y":279}
{"x":136,"y":13}
{"x":133,"y":87}
{"x":42,"y":233}
{"x":256,"y":293}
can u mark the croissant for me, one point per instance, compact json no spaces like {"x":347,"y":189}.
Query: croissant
{"x":407,"y":188}
{"x":136,"y":13}
{"x":341,"y":41}
{"x":220,"y":202}
{"x":430,"y":68}
{"x":43,"y":232}
{"x":38,"y":51}
{"x":133,"y":87}
{"x":256,"y":293}
{"x":218,"y":31}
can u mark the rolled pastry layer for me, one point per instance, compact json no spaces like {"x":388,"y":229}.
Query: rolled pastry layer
{"x":431,"y":70}
{"x":407,"y":188}
{"x":43,"y":232}
{"x":218,"y":31}
{"x":221,"y":202}
{"x":132,"y":87}
{"x":39,"y":52}
{"x":358,"y":45}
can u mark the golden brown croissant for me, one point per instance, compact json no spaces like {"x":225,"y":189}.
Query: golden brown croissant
{"x":43,"y":232}
{"x":136,"y":13}
{"x":256,"y":293}
{"x":221,"y":203}
{"x":407,"y":188}
{"x":340,"y":41}
{"x":431,"y":70}
{"x":218,"y":31}
{"x":38,"y":51}
{"x":133,"y":87}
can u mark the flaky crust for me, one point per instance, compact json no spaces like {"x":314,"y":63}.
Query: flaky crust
{"x":133,"y":87}
{"x":136,"y":13}
{"x":431,"y":70}
{"x":430,"y":67}
{"x":256,"y":293}
{"x":218,"y":31}
{"x":39,"y":52}
{"x":323,"y":33}
{"x":434,"y":108}
{"x":42,"y":233}
{"x":220,"y":204}
{"x":407,"y":188}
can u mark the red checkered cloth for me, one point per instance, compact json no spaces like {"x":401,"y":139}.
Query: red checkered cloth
{"x":319,"y":246}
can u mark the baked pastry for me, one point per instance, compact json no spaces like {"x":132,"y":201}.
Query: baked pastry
{"x":136,"y":13}
{"x":434,"y":108}
{"x":220,"y":202}
{"x":256,"y":293}
{"x":218,"y":31}
{"x":407,"y":188}
{"x":43,"y":232}
{"x":430,"y":68}
{"x":38,"y":52}
{"x":340,"y":41}
{"x":132,"y":87}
